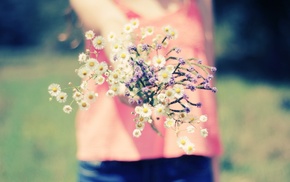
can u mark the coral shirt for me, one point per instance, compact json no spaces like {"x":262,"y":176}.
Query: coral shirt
{"x":104,"y":132}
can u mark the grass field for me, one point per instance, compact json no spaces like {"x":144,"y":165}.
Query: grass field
{"x":37,"y":141}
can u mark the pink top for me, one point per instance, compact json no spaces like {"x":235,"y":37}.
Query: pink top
{"x":104,"y":132}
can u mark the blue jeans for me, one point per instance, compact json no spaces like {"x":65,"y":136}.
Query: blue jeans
{"x":181,"y":169}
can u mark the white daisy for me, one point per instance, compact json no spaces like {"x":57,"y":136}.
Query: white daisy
{"x":84,"y":85}
{"x":159,"y":109}
{"x":203,"y":118}
{"x":204,"y":132}
{"x":116,"y":46}
{"x":128,"y":28}
{"x":169,"y":93}
{"x":167,"y":29}
{"x":92,"y":64}
{"x":189,"y":148}
{"x":169,"y":122}
{"x":138,"y":109}
{"x":164,"y":76}
{"x":173,"y":33}
{"x":84,"y":105}
{"x":146,"y":111}
{"x":140,"y":125}
{"x":111,"y":36}
{"x":77,"y":96}
{"x":54,"y":89}
{"x":135,"y":23}
{"x":170,"y":68}
{"x":158,"y":61}
{"x":110,"y":93}
{"x":115,"y":88}
{"x":149,"y":30}
{"x":100,"y":80}
{"x":161,"y":97}
{"x":67,"y":109}
{"x":178,"y":90}
{"x":61,"y":97}
{"x":83,"y":72}
{"x":89,"y":35}
{"x":82,"y":58}
{"x":102,"y":67}
{"x":137,"y":133}
{"x":190,"y":129}
{"x":90,"y":96}
{"x":124,"y":55}
{"x":99,"y":42}
{"x":115,"y":76}
{"x":182,"y":141}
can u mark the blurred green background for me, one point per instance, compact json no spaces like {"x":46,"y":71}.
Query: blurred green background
{"x":38,"y":47}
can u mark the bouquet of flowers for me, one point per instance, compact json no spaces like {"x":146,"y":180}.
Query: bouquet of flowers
{"x":153,"y":82}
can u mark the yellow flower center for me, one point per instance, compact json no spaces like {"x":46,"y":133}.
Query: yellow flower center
{"x":164,"y":75}
{"x":169,"y":93}
{"x":84,"y":104}
{"x":92,"y":64}
{"x":158,"y":61}
{"x":123,"y":55}
{"x":115,"y":76}
{"x":145,"y":110}
{"x":54,"y":89}
{"x":177,"y":90}
{"x":182,"y":142}
{"x":99,"y":42}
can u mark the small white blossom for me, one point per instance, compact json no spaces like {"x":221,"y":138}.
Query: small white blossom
{"x":164,"y":76}
{"x":159,"y":109}
{"x":189,"y":148}
{"x":128,"y":28}
{"x":178,"y":91}
{"x":89,"y":35}
{"x":135,"y":23}
{"x":203,"y":118}
{"x":99,"y":42}
{"x":111,"y":36}
{"x":102,"y":67}
{"x":77,"y":96}
{"x":100,"y":80}
{"x":146,"y":111}
{"x":169,"y":122}
{"x":204,"y":132}
{"x":182,"y":141}
{"x":92,"y":64}
{"x":137,"y":133}
{"x":149,"y":30}
{"x":158,"y":61}
{"x":84,"y":85}
{"x":54,"y":89}
{"x":123,"y":55}
{"x":116,"y":47}
{"x":61,"y":97}
{"x":67,"y":109}
{"x":84,"y":104}
{"x":82,"y":58}
{"x":138,"y":109}
{"x":169,"y":93}
{"x":190,"y":129}
{"x":140,"y":125}
{"x":90,"y":96}
{"x":170,"y":68}
{"x":83,"y":72}
{"x":161,"y":97}
{"x":110,"y":93}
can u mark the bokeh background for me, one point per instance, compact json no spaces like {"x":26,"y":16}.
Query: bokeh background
{"x":39,"y":46}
